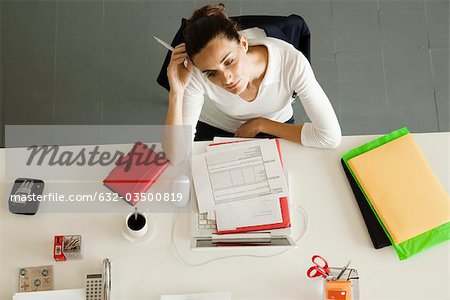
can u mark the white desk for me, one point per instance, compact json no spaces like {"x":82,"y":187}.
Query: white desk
{"x":336,"y":231}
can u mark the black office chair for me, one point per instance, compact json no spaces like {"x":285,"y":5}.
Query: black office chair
{"x":292,"y":29}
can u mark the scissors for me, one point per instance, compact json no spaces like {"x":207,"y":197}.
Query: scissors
{"x":320,"y":267}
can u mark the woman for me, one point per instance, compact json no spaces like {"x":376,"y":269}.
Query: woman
{"x":223,"y":84}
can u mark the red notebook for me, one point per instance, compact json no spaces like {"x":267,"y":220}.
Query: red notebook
{"x":136,"y":172}
{"x":284,"y":206}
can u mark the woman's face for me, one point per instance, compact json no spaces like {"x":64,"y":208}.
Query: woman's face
{"x":224,"y":62}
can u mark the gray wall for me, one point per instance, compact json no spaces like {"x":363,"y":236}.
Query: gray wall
{"x":383,"y":64}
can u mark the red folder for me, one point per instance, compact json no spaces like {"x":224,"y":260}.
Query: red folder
{"x":284,"y":206}
{"x":136,"y":172}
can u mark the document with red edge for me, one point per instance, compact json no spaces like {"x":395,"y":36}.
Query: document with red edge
{"x":249,"y":170}
{"x":249,"y":213}
{"x":263,"y":213}
{"x":285,"y":223}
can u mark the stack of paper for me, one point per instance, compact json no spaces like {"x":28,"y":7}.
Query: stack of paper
{"x":242,"y":185}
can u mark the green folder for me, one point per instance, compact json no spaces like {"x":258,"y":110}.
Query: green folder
{"x":418,"y":243}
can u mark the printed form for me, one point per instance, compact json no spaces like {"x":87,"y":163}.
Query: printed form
{"x":247,"y":176}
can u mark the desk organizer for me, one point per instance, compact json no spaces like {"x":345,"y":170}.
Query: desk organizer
{"x":346,"y":288}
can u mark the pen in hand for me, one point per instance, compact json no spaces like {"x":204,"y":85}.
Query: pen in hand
{"x":170,"y":48}
{"x":163,"y":43}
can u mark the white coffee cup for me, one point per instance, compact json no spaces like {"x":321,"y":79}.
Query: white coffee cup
{"x":136,"y":225}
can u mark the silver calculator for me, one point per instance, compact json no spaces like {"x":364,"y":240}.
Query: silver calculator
{"x":98,"y":286}
{"x":94,"y":287}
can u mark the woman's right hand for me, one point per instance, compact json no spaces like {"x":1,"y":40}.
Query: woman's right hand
{"x":179,"y":76}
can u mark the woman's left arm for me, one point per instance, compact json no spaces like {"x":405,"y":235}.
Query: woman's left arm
{"x":291,"y":132}
{"x":324,"y":130}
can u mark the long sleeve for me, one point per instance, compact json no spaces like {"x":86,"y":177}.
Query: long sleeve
{"x":323,"y":131}
{"x":193,"y":102}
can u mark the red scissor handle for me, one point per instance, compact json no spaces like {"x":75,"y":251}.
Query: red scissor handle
{"x":321,"y":263}
{"x":316,"y":272}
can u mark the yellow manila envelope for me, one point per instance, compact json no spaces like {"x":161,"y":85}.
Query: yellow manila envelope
{"x":402,"y":188}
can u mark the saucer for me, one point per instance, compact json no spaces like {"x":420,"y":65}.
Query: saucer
{"x":142,"y":239}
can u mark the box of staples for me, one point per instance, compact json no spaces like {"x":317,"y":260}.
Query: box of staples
{"x":67,"y":247}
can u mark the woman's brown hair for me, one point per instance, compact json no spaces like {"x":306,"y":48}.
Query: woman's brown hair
{"x":207,"y":23}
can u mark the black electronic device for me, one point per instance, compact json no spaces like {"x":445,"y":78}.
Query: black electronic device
{"x":25,"y":196}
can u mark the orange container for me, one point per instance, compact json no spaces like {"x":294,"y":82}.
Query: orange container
{"x":338,"y":290}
